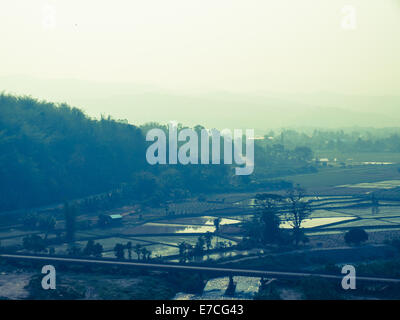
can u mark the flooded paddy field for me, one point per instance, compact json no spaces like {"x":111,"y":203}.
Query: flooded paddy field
{"x":246,"y":288}
{"x":387,"y":184}
{"x":343,"y":212}
{"x":195,"y":207}
{"x":323,"y":213}
{"x":383,"y":211}
{"x":317,"y":222}
{"x":162,"y":233}
{"x":175,"y":240}
{"x":107,"y":243}
{"x":203,"y":220}
{"x":156,"y":250}
{"x":224,"y":255}
{"x":327,"y":221}
{"x":170,"y":228}
{"x":364,"y":223}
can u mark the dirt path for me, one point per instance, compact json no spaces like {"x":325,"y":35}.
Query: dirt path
{"x":12,"y":285}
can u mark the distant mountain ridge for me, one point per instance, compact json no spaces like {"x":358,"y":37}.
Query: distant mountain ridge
{"x":140,"y":103}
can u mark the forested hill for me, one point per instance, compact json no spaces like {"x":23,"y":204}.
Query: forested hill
{"x":51,"y":153}
{"x":54,"y":153}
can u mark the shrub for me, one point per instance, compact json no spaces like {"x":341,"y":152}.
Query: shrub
{"x":355,"y":236}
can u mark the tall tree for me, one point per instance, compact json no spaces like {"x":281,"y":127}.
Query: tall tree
{"x":138,"y":250}
{"x":119,"y":251}
{"x":217,"y":223}
{"x":298,"y":209}
{"x":208,"y":239}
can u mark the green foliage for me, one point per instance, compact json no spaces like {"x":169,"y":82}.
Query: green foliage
{"x":264,"y":228}
{"x":34,"y":243}
{"x":119,"y":251}
{"x":356,"y":236}
{"x":217,"y":222}
{"x":55,"y":152}
{"x":199,"y":247}
{"x":186,"y":282}
{"x":74,"y":250}
{"x":390,"y":268}
{"x":141,"y":252}
{"x":138,"y":250}
{"x":319,"y":289}
{"x":208,"y":240}
{"x":185,"y":251}
{"x":93,"y":249}
{"x":51,"y":153}
{"x":268,"y":292}
{"x":129,"y":249}
{"x":145,"y":254}
{"x":297,"y":211}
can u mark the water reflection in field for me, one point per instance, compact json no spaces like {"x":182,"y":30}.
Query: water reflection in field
{"x":246,"y":288}
{"x":203,"y":220}
{"x":387,"y":184}
{"x":159,"y":228}
{"x":316,"y":222}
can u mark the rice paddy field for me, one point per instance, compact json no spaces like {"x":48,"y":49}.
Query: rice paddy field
{"x":388,"y":184}
{"x":332,"y":215}
{"x":337,"y":216}
{"x":339,"y":196}
{"x":246,"y":288}
{"x":327,"y":179}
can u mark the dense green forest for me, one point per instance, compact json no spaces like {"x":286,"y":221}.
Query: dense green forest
{"x":51,"y":153}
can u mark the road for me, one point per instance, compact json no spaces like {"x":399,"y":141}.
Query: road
{"x":177,"y":267}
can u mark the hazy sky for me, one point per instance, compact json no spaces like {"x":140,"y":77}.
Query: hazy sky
{"x":293,"y":46}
